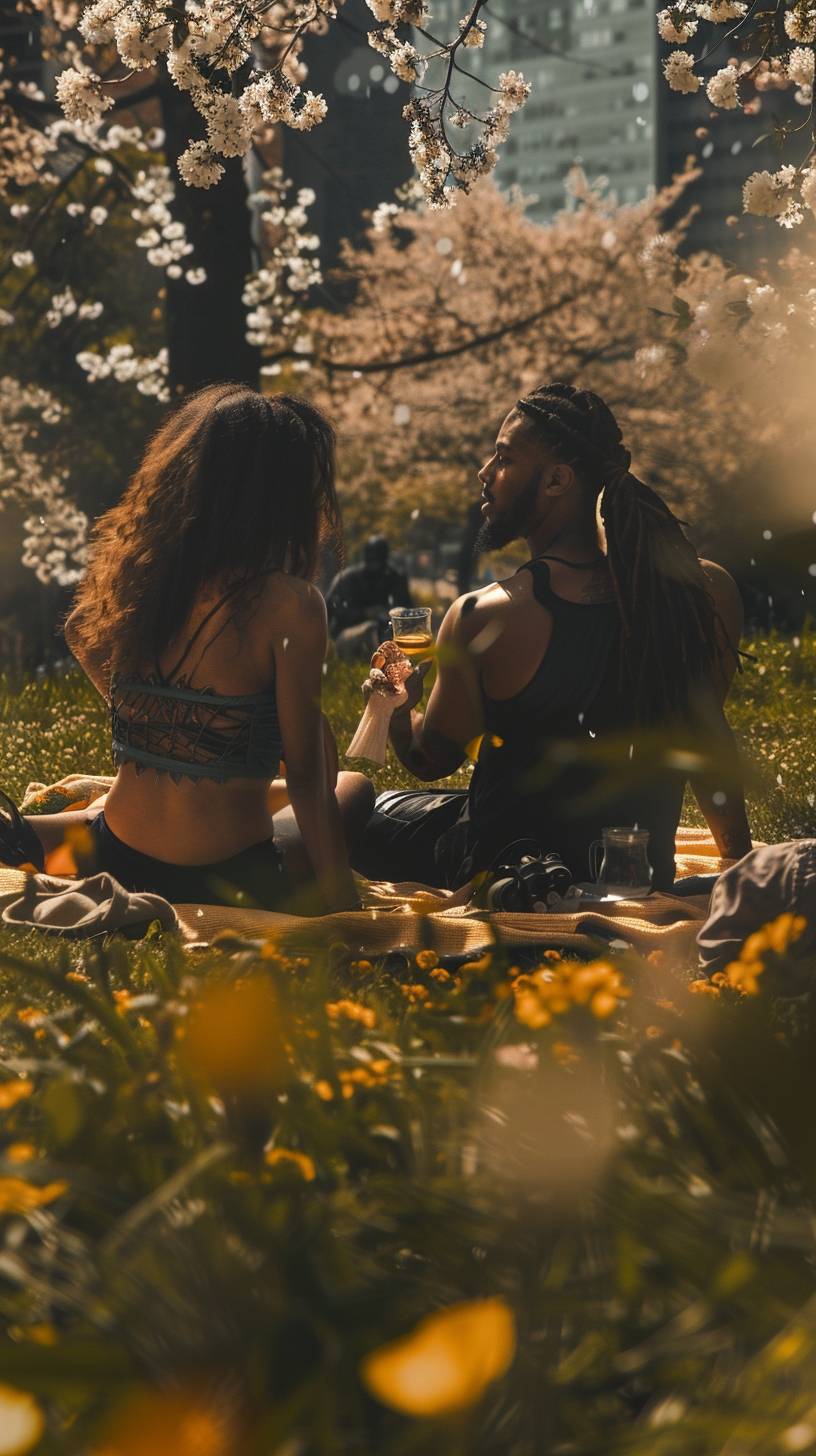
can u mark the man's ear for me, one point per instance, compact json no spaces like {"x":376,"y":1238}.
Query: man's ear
{"x":562,"y":479}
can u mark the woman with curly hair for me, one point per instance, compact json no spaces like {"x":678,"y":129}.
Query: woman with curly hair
{"x":199,"y":624}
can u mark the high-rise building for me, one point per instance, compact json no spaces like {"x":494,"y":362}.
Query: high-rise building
{"x":358,"y":156}
{"x":600,"y":100}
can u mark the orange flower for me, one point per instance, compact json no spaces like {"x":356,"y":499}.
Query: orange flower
{"x":350,"y":1011}
{"x":276,"y":1156}
{"x":20,"y":1153}
{"x":13,"y":1092}
{"x":17,"y":1196}
{"x":447,"y":1362}
{"x":426,"y":959}
{"x":234,"y":1040}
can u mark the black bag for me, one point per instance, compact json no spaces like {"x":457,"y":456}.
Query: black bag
{"x":525,"y":878}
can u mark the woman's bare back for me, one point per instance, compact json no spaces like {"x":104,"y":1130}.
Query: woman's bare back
{"x":198,"y":822}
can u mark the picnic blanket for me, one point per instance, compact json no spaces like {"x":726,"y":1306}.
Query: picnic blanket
{"x":411,"y":916}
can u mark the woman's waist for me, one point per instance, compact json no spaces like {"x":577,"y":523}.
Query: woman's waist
{"x":189,"y":822}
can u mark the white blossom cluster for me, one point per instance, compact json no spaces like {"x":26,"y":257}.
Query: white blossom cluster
{"x":123,"y":364}
{"x":207,"y":47}
{"x":435,"y":159}
{"x":163,"y":238}
{"x":202,"y":53}
{"x":65,"y":305}
{"x":272,"y":293}
{"x":679,"y":72}
{"x":722,"y":88}
{"x":785,"y":195}
{"x":399,"y":12}
{"x":54,"y":546}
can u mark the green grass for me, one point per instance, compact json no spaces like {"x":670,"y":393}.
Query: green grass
{"x":637,"y":1188}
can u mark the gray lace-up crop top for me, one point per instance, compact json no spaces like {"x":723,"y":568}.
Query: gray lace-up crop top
{"x":160,"y":722}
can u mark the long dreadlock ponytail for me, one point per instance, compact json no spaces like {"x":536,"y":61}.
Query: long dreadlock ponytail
{"x":669,"y":624}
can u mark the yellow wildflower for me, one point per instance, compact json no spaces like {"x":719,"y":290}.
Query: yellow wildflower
{"x":17,"y":1196}
{"x":20,"y":1153}
{"x":446,"y":1363}
{"x":42,"y":1334}
{"x":703,"y":987}
{"x":21,"y":1421}
{"x":414,"y":992}
{"x":441,"y":975}
{"x":324,"y":1090}
{"x":557,"y":986}
{"x":123,"y":1000}
{"x":362,"y":966}
{"x":170,"y":1423}
{"x":13,"y":1092}
{"x":426,"y":959}
{"x":350,"y":1011}
{"x":777,"y":936}
{"x":234,"y":1038}
{"x":301,"y":1161}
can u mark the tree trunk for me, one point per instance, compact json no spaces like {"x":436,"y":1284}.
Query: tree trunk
{"x":206,"y":324}
{"x":467,"y":549}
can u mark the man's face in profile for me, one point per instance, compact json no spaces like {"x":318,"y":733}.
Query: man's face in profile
{"x":511,"y":481}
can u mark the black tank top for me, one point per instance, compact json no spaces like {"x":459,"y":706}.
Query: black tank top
{"x":565,"y":757}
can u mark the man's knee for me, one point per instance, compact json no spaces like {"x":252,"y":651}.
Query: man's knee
{"x":356,"y":793}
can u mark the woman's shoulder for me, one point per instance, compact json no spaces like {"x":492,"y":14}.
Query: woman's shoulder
{"x":289,"y":604}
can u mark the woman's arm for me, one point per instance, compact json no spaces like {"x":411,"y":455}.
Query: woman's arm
{"x":299,"y":655}
{"x":93,"y":664}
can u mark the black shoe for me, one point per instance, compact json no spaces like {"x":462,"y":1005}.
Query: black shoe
{"x":19,"y":845}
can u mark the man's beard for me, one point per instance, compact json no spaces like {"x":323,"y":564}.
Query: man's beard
{"x":512,"y":523}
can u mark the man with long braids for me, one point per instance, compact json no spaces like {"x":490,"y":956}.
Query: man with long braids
{"x":596,"y":675}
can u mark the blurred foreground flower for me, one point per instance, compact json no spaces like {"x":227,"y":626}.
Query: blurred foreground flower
{"x":14,"y":1092}
{"x":776,"y":937}
{"x":447,"y":1362}
{"x":233,"y":1039}
{"x":155,"y":1423}
{"x":18,"y":1196}
{"x":276,"y":1157}
{"x":21,"y":1421}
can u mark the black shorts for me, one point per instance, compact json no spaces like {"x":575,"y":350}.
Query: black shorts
{"x":255,"y":879}
{"x":417,"y":835}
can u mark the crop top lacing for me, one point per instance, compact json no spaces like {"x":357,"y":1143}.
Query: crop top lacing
{"x":160,"y":722}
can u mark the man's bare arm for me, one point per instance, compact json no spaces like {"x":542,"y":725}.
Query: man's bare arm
{"x":718,"y":789}
{"x":432,"y":746}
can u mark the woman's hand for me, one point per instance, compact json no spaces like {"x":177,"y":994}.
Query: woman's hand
{"x":414,"y":687}
{"x":408,"y":694}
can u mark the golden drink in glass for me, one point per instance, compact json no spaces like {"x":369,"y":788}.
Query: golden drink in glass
{"x":411,"y":630}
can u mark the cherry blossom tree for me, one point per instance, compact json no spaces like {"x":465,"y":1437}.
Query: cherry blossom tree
{"x":457,"y":313}
{"x":763,"y":49}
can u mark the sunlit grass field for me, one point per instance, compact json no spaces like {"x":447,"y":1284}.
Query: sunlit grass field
{"x":287,"y":1200}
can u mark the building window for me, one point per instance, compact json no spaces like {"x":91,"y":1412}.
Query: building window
{"x":591,"y":39}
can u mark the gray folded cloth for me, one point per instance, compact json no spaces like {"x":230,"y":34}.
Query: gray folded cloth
{"x":96,"y":905}
{"x":758,"y":888}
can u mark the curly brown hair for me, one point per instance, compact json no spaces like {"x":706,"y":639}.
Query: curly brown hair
{"x":233,"y":484}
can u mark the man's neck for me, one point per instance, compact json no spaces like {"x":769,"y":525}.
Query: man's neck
{"x":573,"y":543}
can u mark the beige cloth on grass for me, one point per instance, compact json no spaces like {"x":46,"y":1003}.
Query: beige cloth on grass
{"x":409,"y":916}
